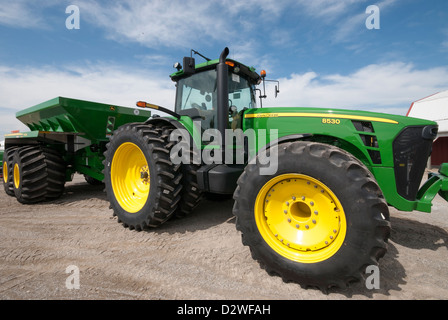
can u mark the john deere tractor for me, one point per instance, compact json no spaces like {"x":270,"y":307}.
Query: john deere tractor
{"x":320,"y":217}
{"x":312,"y":187}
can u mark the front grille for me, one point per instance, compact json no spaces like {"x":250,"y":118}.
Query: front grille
{"x":411,"y":150}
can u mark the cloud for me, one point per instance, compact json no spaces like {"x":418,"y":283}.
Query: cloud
{"x":22,"y":87}
{"x":346,"y":17}
{"x":155,"y":23}
{"x":388,"y":87}
{"x":24,"y":14}
{"x":19,"y":14}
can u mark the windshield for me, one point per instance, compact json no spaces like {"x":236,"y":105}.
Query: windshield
{"x":199,"y":92}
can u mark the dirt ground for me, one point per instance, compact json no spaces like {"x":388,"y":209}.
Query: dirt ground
{"x":200,"y":257}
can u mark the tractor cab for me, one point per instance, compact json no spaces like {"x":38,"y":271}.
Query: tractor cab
{"x":216,"y":89}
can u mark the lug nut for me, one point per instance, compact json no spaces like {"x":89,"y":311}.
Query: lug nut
{"x":314,"y":221}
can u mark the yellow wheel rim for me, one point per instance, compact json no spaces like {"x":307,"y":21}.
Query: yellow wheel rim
{"x":5,"y":172}
{"x":300,"y":218}
{"x":130,"y":177}
{"x":16,"y":176}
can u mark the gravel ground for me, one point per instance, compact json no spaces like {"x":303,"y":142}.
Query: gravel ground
{"x":200,"y":257}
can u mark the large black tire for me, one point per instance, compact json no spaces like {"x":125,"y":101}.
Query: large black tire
{"x":143,"y":186}
{"x":38,"y":174}
{"x":7,"y":171}
{"x":190,"y":195}
{"x":56,"y":168}
{"x":288,"y":219}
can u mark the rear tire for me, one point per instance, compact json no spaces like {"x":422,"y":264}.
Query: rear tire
{"x":191,"y":195}
{"x":143,"y":186}
{"x":320,"y":220}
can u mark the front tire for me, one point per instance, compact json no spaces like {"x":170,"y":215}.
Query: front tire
{"x":319,"y":221}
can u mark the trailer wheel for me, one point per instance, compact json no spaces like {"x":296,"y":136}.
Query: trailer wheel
{"x":142,"y":184}
{"x":38,"y":174}
{"x":7,"y":171}
{"x":319,"y":221}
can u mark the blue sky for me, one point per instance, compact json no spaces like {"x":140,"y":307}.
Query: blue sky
{"x":320,"y":50}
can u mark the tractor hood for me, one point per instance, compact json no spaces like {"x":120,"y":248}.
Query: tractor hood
{"x":337,"y":114}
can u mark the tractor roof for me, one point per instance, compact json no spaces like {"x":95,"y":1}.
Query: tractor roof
{"x":235,"y":66}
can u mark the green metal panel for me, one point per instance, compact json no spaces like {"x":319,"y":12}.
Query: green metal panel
{"x":94,"y":121}
{"x":337,"y":127}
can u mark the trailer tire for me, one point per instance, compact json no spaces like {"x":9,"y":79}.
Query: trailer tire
{"x":8,"y":171}
{"x":320,"y":220}
{"x":56,"y":168}
{"x":38,"y":174}
{"x":143,"y":186}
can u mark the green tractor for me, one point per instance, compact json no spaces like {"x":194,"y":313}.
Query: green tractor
{"x":312,"y":187}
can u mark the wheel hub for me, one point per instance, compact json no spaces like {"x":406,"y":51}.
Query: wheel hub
{"x":144,"y":175}
{"x":300,"y":215}
{"x":130,"y":177}
{"x":5,"y":172}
